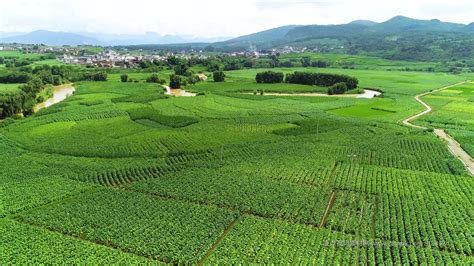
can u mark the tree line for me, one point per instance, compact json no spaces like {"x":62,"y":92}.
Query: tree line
{"x":34,"y":80}
{"x":337,"y":83}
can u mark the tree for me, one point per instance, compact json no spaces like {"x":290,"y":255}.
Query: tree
{"x":181,"y":70}
{"x":306,"y":61}
{"x":275,"y":60}
{"x":177,"y":81}
{"x":218,"y":76}
{"x":124,"y":77}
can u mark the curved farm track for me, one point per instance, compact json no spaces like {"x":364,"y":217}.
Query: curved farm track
{"x":454,"y":147}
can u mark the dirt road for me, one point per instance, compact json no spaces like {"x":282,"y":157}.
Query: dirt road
{"x":453,"y":146}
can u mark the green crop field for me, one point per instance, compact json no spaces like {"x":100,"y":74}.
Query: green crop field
{"x":19,"y":54}
{"x":121,"y":174}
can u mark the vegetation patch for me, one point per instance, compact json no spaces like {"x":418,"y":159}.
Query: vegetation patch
{"x":169,"y":121}
{"x":140,"y":98}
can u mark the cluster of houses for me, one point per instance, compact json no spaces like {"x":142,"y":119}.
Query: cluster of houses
{"x":256,"y":54}
{"x":109,"y":58}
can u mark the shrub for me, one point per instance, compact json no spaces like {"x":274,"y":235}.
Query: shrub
{"x":153,"y":79}
{"x":124,"y":77}
{"x":99,"y":76}
{"x":218,"y":76}
{"x":338,"y":88}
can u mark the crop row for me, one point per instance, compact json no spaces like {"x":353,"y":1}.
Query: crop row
{"x":78,"y":116}
{"x":164,"y":230}
{"x":375,"y":180}
{"x":441,"y":222}
{"x":353,"y":213}
{"x":229,"y":188}
{"x":264,"y":241}
{"x":117,"y":177}
{"x":23,"y":244}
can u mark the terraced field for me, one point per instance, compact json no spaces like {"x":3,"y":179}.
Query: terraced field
{"x":119,"y":173}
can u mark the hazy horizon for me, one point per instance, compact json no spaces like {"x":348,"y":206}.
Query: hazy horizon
{"x":211,"y":18}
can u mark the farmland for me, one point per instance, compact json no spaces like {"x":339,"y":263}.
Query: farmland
{"x":121,"y":173}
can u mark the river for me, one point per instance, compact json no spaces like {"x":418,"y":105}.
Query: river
{"x":60,"y":93}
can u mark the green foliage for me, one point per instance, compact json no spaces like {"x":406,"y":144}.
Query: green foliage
{"x":270,"y":77}
{"x":177,"y":81}
{"x":124,"y":77}
{"x":120,"y":173}
{"x":153,"y":115}
{"x":23,"y":244}
{"x":218,"y":76}
{"x":154,"y":78}
{"x":166,"y":230}
{"x":338,"y":88}
{"x":321,"y":79}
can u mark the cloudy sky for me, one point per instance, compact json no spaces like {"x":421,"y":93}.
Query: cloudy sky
{"x":212,"y":18}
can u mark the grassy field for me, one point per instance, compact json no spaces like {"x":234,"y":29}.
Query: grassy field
{"x":120,"y":173}
{"x":393,"y":82}
{"x":361,"y":61}
{"x":19,"y":54}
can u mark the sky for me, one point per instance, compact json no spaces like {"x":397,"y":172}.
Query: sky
{"x":213,"y":18}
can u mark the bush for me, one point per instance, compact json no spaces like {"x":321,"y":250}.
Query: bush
{"x":218,"y":76}
{"x":320,"y":64}
{"x":270,"y":77}
{"x":338,"y":88}
{"x":57,"y":80}
{"x":40,"y":99}
{"x":124,"y":77}
{"x":98,"y":76}
{"x":153,"y":79}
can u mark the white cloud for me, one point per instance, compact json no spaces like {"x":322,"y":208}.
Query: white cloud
{"x":209,"y":18}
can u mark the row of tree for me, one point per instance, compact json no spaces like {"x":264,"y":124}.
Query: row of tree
{"x":321,"y":79}
{"x":338,"y":84}
{"x":270,"y":77}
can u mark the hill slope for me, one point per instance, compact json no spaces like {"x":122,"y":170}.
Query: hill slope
{"x":397,"y":38}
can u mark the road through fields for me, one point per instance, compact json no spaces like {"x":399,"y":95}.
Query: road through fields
{"x":454,"y":147}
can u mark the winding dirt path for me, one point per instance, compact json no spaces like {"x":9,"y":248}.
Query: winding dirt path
{"x":453,"y":146}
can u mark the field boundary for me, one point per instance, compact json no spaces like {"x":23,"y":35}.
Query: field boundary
{"x":220,"y":239}
{"x":328,"y":208}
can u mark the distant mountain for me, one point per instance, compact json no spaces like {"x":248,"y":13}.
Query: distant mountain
{"x":88,"y":38}
{"x":401,"y":23}
{"x":363,"y":22}
{"x":470,"y":27}
{"x":259,"y":37}
{"x":313,"y":35}
{"x":50,"y":38}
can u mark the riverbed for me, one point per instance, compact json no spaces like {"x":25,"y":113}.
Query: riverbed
{"x":178,"y":92}
{"x":60,"y":93}
{"x":368,"y":94}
